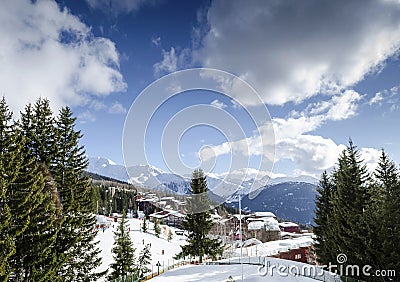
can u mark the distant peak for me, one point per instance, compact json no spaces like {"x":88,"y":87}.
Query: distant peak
{"x":103,"y":160}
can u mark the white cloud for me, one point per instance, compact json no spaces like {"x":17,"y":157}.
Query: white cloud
{"x":371,"y":157}
{"x":218,"y":104}
{"x":97,"y":105}
{"x":117,"y":108}
{"x":156,"y":41}
{"x":312,"y":154}
{"x":117,"y":7}
{"x":292,"y":127}
{"x":377,"y":99}
{"x":343,"y":106}
{"x":339,"y":107}
{"x":169,"y":62}
{"x":290,"y":51}
{"x":393,"y":107}
{"x":50,"y":53}
{"x":86,"y":117}
{"x":386,"y":97}
{"x":172,"y":61}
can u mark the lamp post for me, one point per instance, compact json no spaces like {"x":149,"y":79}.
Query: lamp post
{"x":158,"y":267}
{"x":240,"y":233}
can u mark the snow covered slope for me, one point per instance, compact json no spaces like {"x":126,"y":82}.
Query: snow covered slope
{"x":278,"y":271}
{"x":161,"y":250}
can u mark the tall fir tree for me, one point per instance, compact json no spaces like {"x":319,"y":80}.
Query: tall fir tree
{"x":43,"y":238}
{"x":76,"y":247}
{"x":170,"y":235}
{"x":38,"y":125}
{"x":26,"y":207}
{"x":385,"y":228}
{"x":143,"y":261}
{"x":144,"y":224}
{"x":8,"y":158}
{"x":323,"y":211}
{"x":123,"y":251}
{"x":349,"y":204}
{"x":35,"y":259}
{"x":198,"y":221}
{"x":157,"y":229}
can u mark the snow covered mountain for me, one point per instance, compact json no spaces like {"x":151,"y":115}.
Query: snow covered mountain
{"x":141,"y":175}
{"x":223,"y":185}
{"x":288,"y":197}
{"x":289,"y":200}
{"x":107,"y":168}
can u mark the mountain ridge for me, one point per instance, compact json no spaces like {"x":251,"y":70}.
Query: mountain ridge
{"x":288,"y":197}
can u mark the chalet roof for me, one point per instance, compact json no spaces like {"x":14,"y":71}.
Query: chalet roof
{"x":264,"y":214}
{"x":288,"y":224}
{"x":275,"y":247}
{"x":269,"y":224}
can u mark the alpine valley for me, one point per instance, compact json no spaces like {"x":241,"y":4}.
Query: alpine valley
{"x":290,"y":198}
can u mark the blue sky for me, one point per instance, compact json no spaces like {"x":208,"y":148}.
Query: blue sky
{"x":326,"y":70}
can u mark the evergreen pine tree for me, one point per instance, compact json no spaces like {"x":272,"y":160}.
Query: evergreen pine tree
{"x":385,"y":223}
{"x":77,"y":251}
{"x":143,"y":261}
{"x":38,"y":125}
{"x":348,"y":206}
{"x":8,"y":155}
{"x":35,"y":259}
{"x":198,"y":221}
{"x":26,"y":206}
{"x":322,"y":230}
{"x":144,"y":225}
{"x":157,"y":229}
{"x":123,"y":251}
{"x":170,"y":235}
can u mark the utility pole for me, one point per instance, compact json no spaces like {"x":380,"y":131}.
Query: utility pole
{"x":240,"y":233}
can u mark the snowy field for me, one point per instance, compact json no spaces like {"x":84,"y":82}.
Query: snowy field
{"x":162,"y":252}
{"x":140,"y":239}
{"x":222,"y":273}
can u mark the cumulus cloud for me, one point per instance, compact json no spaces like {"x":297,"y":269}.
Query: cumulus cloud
{"x":86,"y":117}
{"x":117,"y":7}
{"x":311,"y":154}
{"x":217,"y":103}
{"x":388,"y":97}
{"x":156,"y":41}
{"x":291,"y":50}
{"x":371,"y":157}
{"x":339,"y":107}
{"x":117,"y":108}
{"x":46,"y":51}
{"x":172,"y":61}
{"x":376,"y":99}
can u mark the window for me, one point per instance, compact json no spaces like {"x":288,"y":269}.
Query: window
{"x":297,"y":256}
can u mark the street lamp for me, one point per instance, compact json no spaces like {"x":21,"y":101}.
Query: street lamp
{"x":240,"y":233}
{"x":158,"y":267}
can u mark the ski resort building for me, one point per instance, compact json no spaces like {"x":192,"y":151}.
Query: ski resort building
{"x":289,"y":227}
{"x":264,"y":229}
